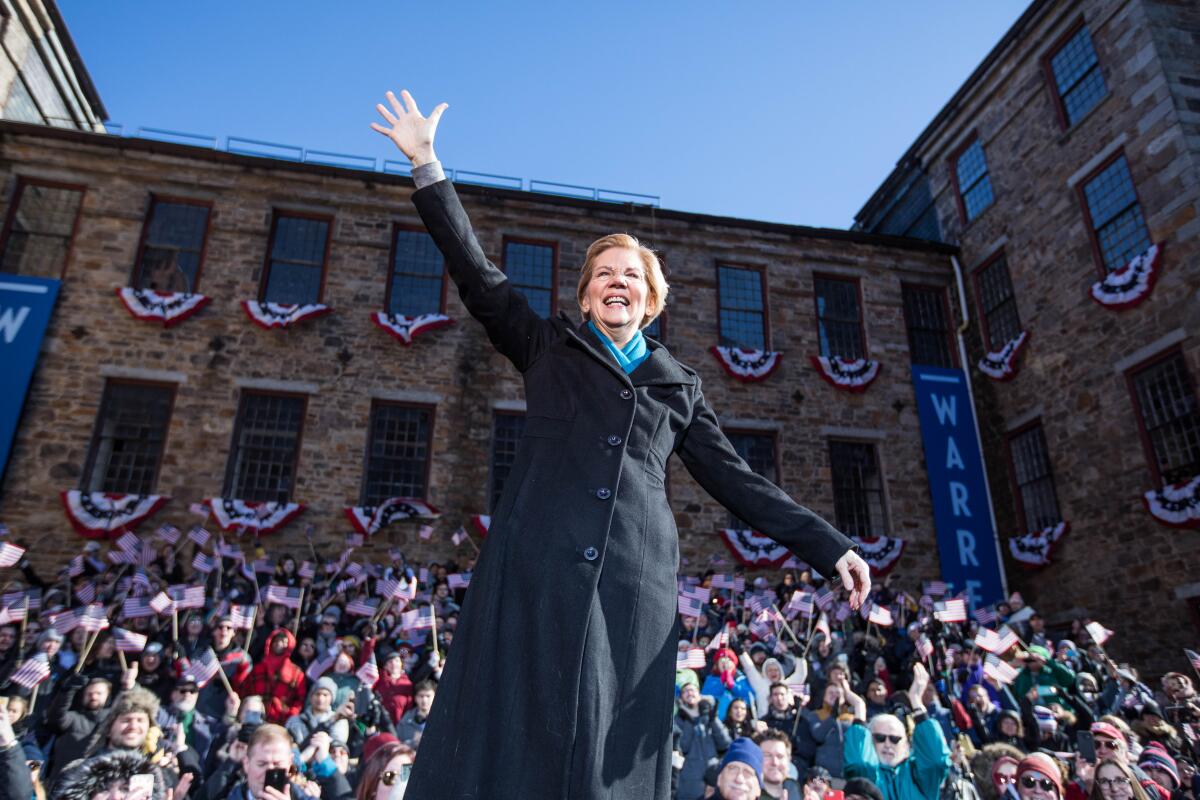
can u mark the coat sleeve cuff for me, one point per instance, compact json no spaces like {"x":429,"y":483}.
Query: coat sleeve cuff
{"x":428,"y":174}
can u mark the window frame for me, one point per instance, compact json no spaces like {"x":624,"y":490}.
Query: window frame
{"x":862,"y":311}
{"x":1139,"y":414}
{"x":979,"y":306}
{"x":227,"y":487}
{"x":886,"y":527}
{"x":1056,"y":99}
{"x":491,"y":478}
{"x":944,"y":293}
{"x":1097,"y":253}
{"x":89,"y":464}
{"x":404,"y":227}
{"x":506,"y":239}
{"x":276,"y":214}
{"x":135,"y":276}
{"x":952,"y":163}
{"x":377,"y":402}
{"x":761,"y":269}
{"x":15,"y":202}
{"x":661,"y":319}
{"x":1019,"y":500}
{"x":773,"y":434}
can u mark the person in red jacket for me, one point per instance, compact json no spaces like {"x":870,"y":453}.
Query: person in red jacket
{"x":279,"y":682}
{"x":394,"y":687}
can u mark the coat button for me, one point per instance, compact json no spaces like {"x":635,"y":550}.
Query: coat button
{"x":591,"y":554}
{"x":613,"y":439}
{"x":604,"y":494}
{"x":626,"y":394}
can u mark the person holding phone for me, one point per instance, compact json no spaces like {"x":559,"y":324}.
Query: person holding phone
{"x":564,"y":656}
{"x":267,"y":767}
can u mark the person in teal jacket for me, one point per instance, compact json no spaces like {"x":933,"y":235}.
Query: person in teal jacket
{"x":1053,"y":679}
{"x":882,"y":754}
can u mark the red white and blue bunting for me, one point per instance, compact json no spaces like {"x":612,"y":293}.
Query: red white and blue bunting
{"x":752,"y":549}
{"x":1002,"y":366}
{"x":282,"y":315}
{"x":261,"y":518}
{"x":369,"y":519}
{"x":747,"y":365}
{"x":1131,"y":284}
{"x":851,"y":376}
{"x":169,"y":308}
{"x":99,"y":515}
{"x":1034,"y":548}
{"x":1177,"y":505}
{"x":406,"y":328}
{"x":482,"y":523}
{"x":880,"y":552}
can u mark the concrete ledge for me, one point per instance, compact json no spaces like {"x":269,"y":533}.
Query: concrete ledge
{"x":509,"y":405}
{"x":1024,"y":419}
{"x":1187,"y":591}
{"x":838,"y":432}
{"x":406,"y":396}
{"x":142,"y":374}
{"x":1097,"y":159}
{"x":1149,"y":351}
{"x":273,"y":385}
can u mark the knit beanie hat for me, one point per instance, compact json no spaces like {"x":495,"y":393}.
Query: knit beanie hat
{"x":1156,"y":756}
{"x":328,"y":684}
{"x":745,"y":751}
{"x":1040,"y":762}
{"x":864,"y":787}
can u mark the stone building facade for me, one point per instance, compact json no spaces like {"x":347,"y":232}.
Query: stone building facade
{"x":1074,"y":146}
{"x":442,"y":414}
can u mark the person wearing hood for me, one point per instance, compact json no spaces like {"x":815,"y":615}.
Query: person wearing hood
{"x":770,"y":672}
{"x":883,"y":755}
{"x":1152,"y":727}
{"x":319,"y":715}
{"x":699,"y":736}
{"x":130,"y":728}
{"x":727,"y":682}
{"x":107,"y":776}
{"x":154,"y":673}
{"x":277,"y":679}
{"x":394,"y":687}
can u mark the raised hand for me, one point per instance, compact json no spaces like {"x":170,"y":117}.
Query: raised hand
{"x":408,"y":129}
{"x":856,"y":577}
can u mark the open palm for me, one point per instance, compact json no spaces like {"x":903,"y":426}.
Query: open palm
{"x":410,"y":131}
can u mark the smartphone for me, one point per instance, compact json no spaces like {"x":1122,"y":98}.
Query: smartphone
{"x":141,"y":785}
{"x":277,"y":779}
{"x":1085,"y":743}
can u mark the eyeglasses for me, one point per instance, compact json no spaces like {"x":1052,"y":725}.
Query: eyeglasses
{"x":188,"y":690}
{"x":1112,"y":783}
{"x":389,"y":777}
{"x":1107,"y":744}
{"x":883,"y":737}
{"x":1028,"y":781}
{"x":1006,"y":779}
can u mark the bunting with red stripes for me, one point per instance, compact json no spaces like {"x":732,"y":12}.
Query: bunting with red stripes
{"x":282,"y":315}
{"x":1002,"y":364}
{"x":1177,"y":505}
{"x":261,"y":518}
{"x":169,"y":308}
{"x":851,"y":376}
{"x":752,"y":549}
{"x":99,"y":515}
{"x":880,"y":552}
{"x":1034,"y":548}
{"x":369,"y":519}
{"x":747,"y":365}
{"x":406,"y":328}
{"x":1128,"y":286}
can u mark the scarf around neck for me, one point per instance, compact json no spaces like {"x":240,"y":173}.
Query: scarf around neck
{"x":629,"y":356}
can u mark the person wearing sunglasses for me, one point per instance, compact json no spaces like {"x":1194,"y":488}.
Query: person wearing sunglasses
{"x":385,"y":773}
{"x":1038,"y":778}
{"x":1114,"y":780}
{"x":883,"y":754}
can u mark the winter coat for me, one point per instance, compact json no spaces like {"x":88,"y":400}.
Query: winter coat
{"x":86,"y":778}
{"x":830,"y":736}
{"x":397,"y":695}
{"x":72,"y":728}
{"x":700,"y":740}
{"x":14,"y":773}
{"x":916,"y":777}
{"x":236,"y":665}
{"x":560,"y":680}
{"x":761,"y":685}
{"x":411,"y":728}
{"x":279,"y":682}
{"x":724,"y":696}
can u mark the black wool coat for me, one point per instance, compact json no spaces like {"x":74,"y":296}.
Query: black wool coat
{"x":560,"y":683}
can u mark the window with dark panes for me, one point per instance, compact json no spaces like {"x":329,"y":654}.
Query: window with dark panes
{"x":41,"y":226}
{"x":418,"y":272}
{"x":1034,"y":479}
{"x":972,"y":179}
{"x":172,"y":246}
{"x":530,"y":268}
{"x":397,"y":452}
{"x":127,"y":445}
{"x":507,"y":429}
{"x":1116,"y":215}
{"x":839,"y":318}
{"x":1001,"y":321}
{"x":657,"y":330}
{"x":266,"y":446}
{"x":758,"y":451}
{"x":925,"y":315}
{"x":1166,"y":402}
{"x":1077,"y":77}
{"x":742,"y":308}
{"x":297,"y":262}
{"x":857,"y":489}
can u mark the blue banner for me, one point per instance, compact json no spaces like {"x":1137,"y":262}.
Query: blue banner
{"x":962,"y":512}
{"x":25,"y":307}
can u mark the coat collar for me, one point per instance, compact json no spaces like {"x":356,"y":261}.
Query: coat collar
{"x":659,"y":368}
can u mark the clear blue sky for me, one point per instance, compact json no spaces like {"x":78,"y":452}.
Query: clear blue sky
{"x":782,"y":110}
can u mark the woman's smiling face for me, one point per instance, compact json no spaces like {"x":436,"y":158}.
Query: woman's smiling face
{"x":616,"y":293}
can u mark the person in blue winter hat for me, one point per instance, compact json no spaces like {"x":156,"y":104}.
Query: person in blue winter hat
{"x":741,"y":772}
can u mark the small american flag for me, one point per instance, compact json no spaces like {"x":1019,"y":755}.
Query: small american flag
{"x":122,"y":557}
{"x":307,"y":570}
{"x":801,"y":603}
{"x":881,"y":615}
{"x":187,"y":596}
{"x":129,"y":542}
{"x":417,"y":619}
{"x":822,"y":626}
{"x":736,"y":583}
{"x":65,"y":622}
{"x":425,"y":532}
{"x":199,"y":509}
{"x":387,"y":588}
{"x":94,"y":617}
{"x":168,"y":533}
{"x":263,"y":565}
{"x":718,"y":641}
{"x":31,"y":598}
{"x":689,"y":606}
{"x":10,"y":554}
{"x":999,"y":671}
{"x":1194,"y":658}
{"x":458,"y":537}
{"x":242,"y":617}
{"x":692,"y":659}
{"x":936,"y":588}
{"x":825,"y":598}
{"x":85,"y":592}
{"x":142,"y":580}
{"x":203,"y":563}
{"x":698,"y":593}
{"x":457,"y":580}
{"x":952,"y":611}
{"x":985,"y":616}
{"x":199,"y":536}
{"x":75,"y":567}
{"x":228,"y":550}
{"x":161,"y":603}
{"x":756,"y":603}
{"x":147,"y":556}
{"x":284,"y":595}
{"x":368,"y":673}
{"x":924,"y":647}
{"x":204,"y":668}
{"x":354,"y":569}
{"x":362,"y":607}
{"x":998,"y":642}
{"x":32,"y":672}
{"x":1098,"y":632}
{"x":320,"y":665}
{"x":843,"y":612}
{"x":128,"y":641}
{"x":9,"y":616}
{"x":135,"y":608}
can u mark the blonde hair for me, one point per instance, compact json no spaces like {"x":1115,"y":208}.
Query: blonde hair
{"x":656,"y":282}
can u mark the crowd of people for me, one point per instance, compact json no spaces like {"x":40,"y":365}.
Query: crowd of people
{"x":136,"y":673}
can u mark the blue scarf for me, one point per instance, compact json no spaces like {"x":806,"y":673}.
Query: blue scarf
{"x":634,"y":353}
